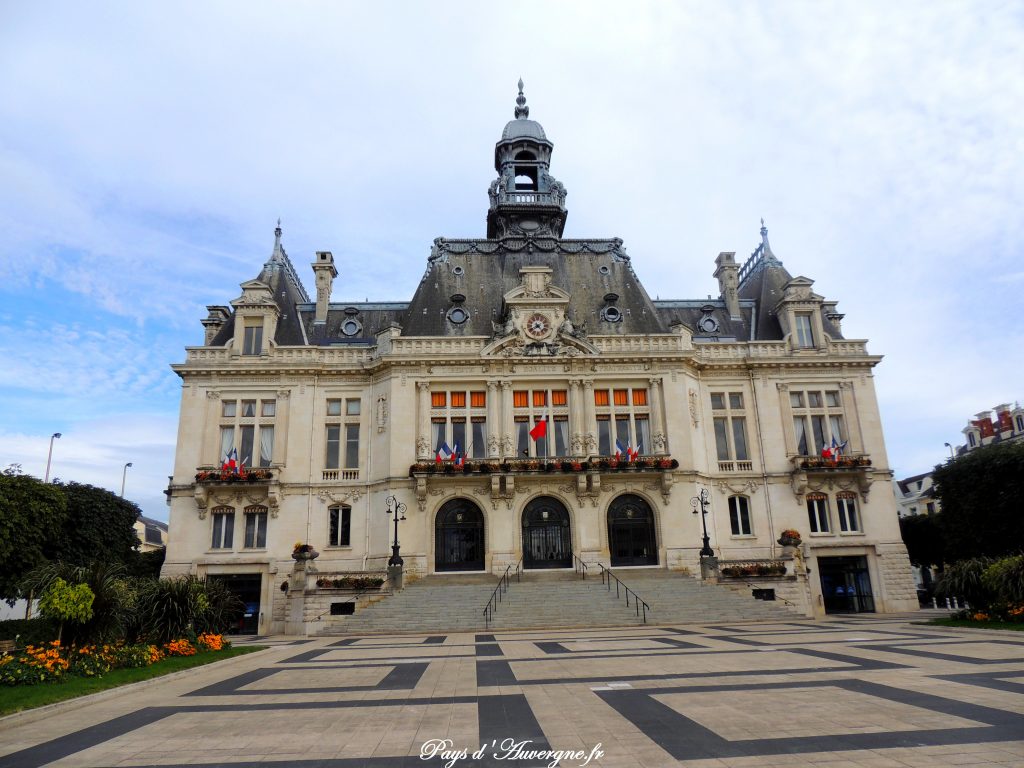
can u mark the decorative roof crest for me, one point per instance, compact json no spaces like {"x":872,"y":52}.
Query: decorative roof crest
{"x":522,"y":111}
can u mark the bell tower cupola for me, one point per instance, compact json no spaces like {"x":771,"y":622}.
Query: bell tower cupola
{"x":526,"y":201}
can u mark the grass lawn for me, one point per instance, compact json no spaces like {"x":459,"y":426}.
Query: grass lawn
{"x":18,"y":697}
{"x":1016,"y":626}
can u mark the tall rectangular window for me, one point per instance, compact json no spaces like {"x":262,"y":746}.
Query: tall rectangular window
{"x":849,"y":520}
{"x":352,"y":446}
{"x":459,"y":444}
{"x":252,"y":339}
{"x":245,"y":447}
{"x":461,"y":422}
{"x":522,"y":425}
{"x":623,"y":425}
{"x":266,"y":445}
{"x":223,"y":528}
{"x":817,"y":514}
{"x":333,"y":446}
{"x":804,"y":335}
{"x":530,"y":407}
{"x":340,"y":527}
{"x":739,"y":515}
{"x":256,"y":528}
{"x":817,"y":421}
{"x":730,"y":426}
{"x":478,"y":444}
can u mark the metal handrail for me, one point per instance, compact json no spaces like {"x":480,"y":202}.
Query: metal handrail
{"x":579,"y":566}
{"x":606,"y":578}
{"x":499,"y":590}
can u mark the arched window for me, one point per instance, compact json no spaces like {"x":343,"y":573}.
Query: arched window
{"x":739,"y":516}
{"x":817,"y":513}
{"x":525,"y":155}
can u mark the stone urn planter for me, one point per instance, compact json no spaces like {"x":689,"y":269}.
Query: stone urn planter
{"x":301,"y":553}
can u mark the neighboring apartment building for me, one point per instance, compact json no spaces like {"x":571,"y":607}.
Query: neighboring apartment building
{"x":538,"y":358}
{"x":987,"y":428}
{"x":152,"y":533}
{"x":915,"y":495}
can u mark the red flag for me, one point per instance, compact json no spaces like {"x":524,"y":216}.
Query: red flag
{"x":540,"y":430}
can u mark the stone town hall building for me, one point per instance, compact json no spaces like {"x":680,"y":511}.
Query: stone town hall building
{"x":340,"y":405}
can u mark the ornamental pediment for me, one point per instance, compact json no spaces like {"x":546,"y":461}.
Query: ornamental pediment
{"x":254,"y":292}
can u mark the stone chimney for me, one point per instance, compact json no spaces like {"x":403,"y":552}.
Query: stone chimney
{"x":325,"y":273}
{"x":727,"y":272}
{"x":214,"y":322}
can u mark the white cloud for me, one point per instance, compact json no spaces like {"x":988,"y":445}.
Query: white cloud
{"x":148,"y":150}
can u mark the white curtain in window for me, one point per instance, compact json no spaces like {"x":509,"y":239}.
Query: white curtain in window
{"x":266,"y":446}
{"x":561,"y":437}
{"x":227,"y":442}
{"x":801,"y":435}
{"x":836,"y":422}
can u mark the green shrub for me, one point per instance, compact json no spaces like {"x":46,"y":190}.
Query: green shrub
{"x":1005,"y":579}
{"x":963,"y":579}
{"x":183,"y":607}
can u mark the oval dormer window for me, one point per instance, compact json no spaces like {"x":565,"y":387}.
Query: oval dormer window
{"x":611,"y":315}
{"x":351,"y":327}
{"x":604,"y":269}
{"x":458,"y":315}
{"x":458,"y":271}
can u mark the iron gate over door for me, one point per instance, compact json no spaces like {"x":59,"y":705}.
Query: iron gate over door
{"x":459,"y":539}
{"x":631,"y":532}
{"x":547,"y":538}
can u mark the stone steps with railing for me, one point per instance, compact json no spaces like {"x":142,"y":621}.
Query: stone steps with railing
{"x":555,"y":599}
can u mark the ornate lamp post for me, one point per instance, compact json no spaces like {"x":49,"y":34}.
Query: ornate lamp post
{"x":703,"y":501}
{"x":399,"y":513}
{"x":951,"y":456}
{"x":46,"y":477}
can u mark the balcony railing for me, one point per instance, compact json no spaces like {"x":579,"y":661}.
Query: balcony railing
{"x":545,"y":466}
{"x":341,"y":474}
{"x":221,"y":476}
{"x":530,"y":198}
{"x":842,"y":464}
{"x":735,"y":466}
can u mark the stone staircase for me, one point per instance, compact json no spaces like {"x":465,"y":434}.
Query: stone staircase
{"x":544,"y":599}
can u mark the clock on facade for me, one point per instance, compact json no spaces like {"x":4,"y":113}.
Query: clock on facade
{"x":537,"y":325}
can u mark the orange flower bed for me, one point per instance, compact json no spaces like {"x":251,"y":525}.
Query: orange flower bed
{"x":210,"y":642}
{"x":179,"y":648}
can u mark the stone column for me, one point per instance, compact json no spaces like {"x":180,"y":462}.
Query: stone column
{"x":493,"y":421}
{"x":851,"y":418}
{"x":657,"y":417}
{"x":423,"y":446}
{"x":280,"y":455}
{"x":507,"y":433}
{"x":211,"y":433}
{"x":590,"y":419}
{"x":786,"y":409}
{"x":576,"y":441}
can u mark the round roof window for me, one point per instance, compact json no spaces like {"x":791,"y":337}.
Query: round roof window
{"x":458,"y":271}
{"x":458,"y":315}
{"x":351,"y":327}
{"x":611,"y":314}
{"x":604,"y":269}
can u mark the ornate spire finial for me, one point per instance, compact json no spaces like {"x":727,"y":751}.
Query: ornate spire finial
{"x":764,"y":232}
{"x":277,"y":235}
{"x":522,"y":111}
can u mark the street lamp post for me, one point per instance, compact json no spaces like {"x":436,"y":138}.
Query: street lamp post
{"x":399,"y":513}
{"x":49,"y":456}
{"x":703,"y":500}
{"x":951,"y":456}
{"x":124,"y":476}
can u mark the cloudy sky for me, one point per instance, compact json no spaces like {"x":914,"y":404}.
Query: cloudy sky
{"x":147,"y":149}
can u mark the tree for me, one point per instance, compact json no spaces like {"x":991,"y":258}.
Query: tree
{"x":926,"y":540}
{"x":982,"y":495}
{"x":31,"y":511}
{"x":99,"y":525}
{"x":65,"y":603}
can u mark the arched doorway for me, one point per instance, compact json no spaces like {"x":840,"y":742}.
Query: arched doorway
{"x":547,"y":537}
{"x":631,"y":537}
{"x":459,"y":537}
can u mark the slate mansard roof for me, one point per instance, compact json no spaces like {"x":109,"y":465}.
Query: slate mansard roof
{"x":462,"y":290}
